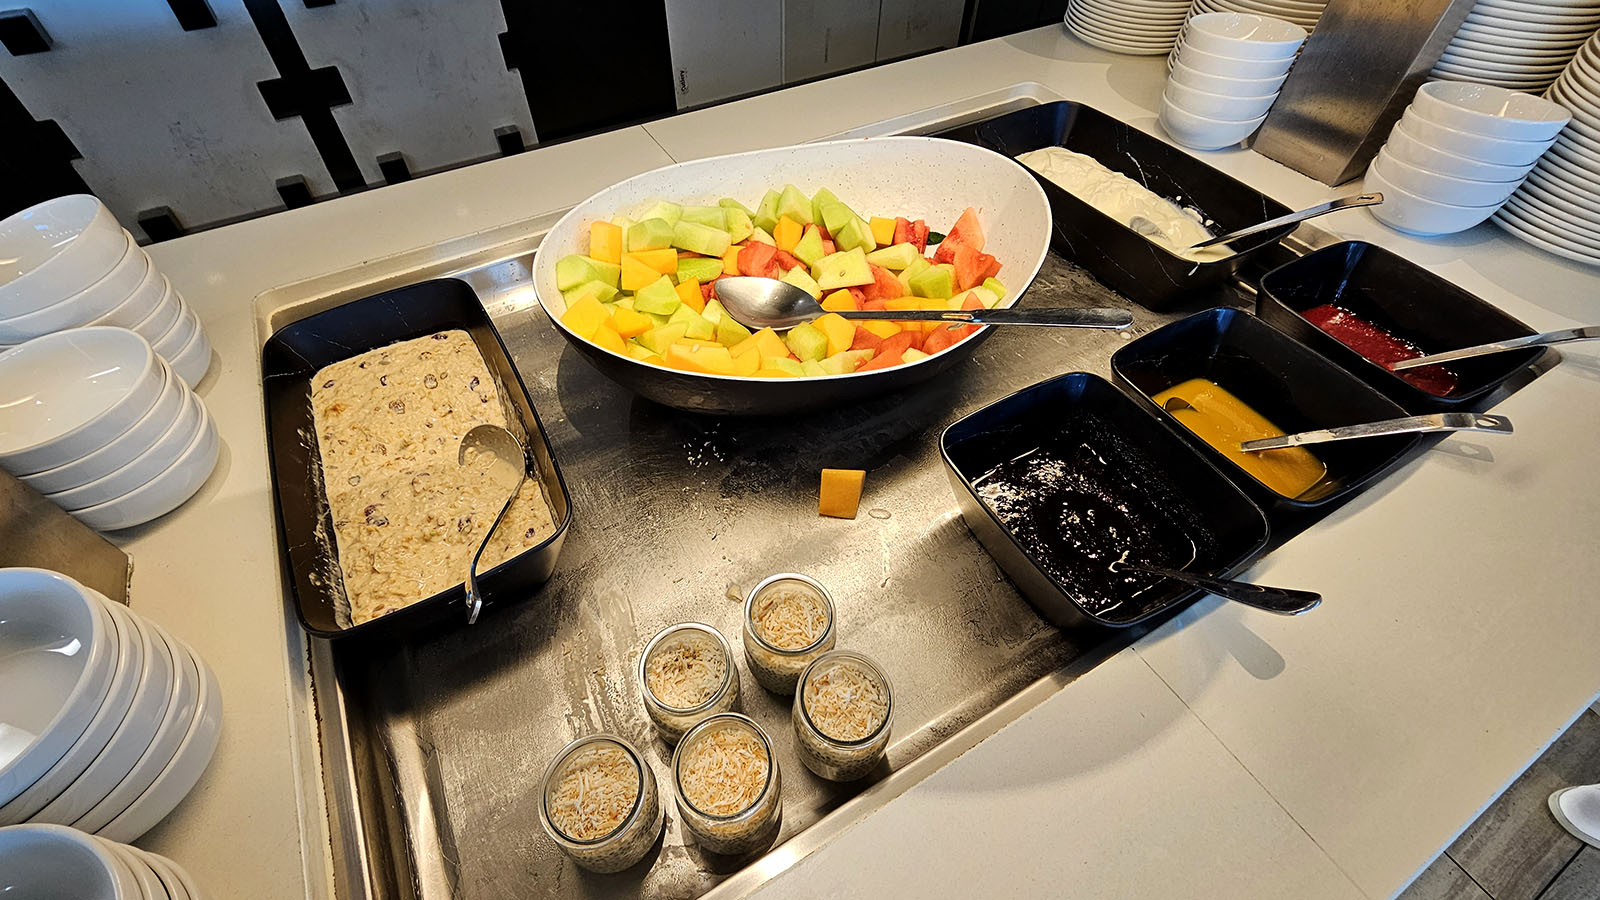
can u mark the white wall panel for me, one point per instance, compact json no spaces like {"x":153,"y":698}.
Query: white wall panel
{"x":426,"y":78}
{"x":917,"y":26}
{"x":821,"y":37}
{"x":724,"y":48}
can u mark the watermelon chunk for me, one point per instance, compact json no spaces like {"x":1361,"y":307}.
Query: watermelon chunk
{"x":757,"y":259}
{"x":966,"y":230}
{"x":874,"y":304}
{"x":941,"y":339}
{"x":909,"y":232}
{"x":786,"y":261}
{"x":884,"y":285}
{"x":971,"y":266}
{"x":865,"y":340}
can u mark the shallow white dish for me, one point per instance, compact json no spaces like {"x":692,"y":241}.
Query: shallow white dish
{"x":96,"y":301}
{"x":164,"y":493}
{"x":1409,"y":213}
{"x":1404,"y":146}
{"x":182,"y":331}
{"x":139,"y":303}
{"x":150,"y":886}
{"x":1473,"y":146}
{"x":1556,"y":222}
{"x":1103,"y":38}
{"x":163,"y":315}
{"x":1245,"y":35}
{"x":1555,"y":236}
{"x":193,"y":359}
{"x":1516,"y":229}
{"x":1444,"y":188}
{"x":1535,"y":191}
{"x":54,"y":249}
{"x":1231,"y":66}
{"x":67,"y":394}
{"x":50,"y":862}
{"x":59,"y":642}
{"x":141,"y":469}
{"x":1201,"y":132}
{"x":167,"y":871}
{"x":1217,"y":106}
{"x":1221,"y":84}
{"x":1133,"y":28}
{"x":139,"y":437}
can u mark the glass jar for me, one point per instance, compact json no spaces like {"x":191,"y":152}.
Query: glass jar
{"x":834,"y":744}
{"x":775,"y":666}
{"x":611,"y":848}
{"x":693,"y":644}
{"x":746,"y":819}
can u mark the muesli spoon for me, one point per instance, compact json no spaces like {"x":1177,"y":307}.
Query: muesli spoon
{"x":770,"y":303}
{"x":507,"y":462}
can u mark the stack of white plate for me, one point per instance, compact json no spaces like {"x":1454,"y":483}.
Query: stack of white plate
{"x":1226,"y":78}
{"x":97,"y":422}
{"x":1558,"y":207}
{"x":1304,"y":13}
{"x":1519,"y":44}
{"x":106,"y":720}
{"x":66,"y":262}
{"x":1457,"y":153}
{"x":1138,"y":27}
{"x":49,"y":862}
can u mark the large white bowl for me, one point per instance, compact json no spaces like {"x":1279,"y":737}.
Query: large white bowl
{"x":141,"y":469}
{"x":176,"y":337}
{"x":50,"y":862}
{"x":1244,"y":36}
{"x":57,"y":656}
{"x":150,"y":886}
{"x":162,"y":316}
{"x":181,"y":774}
{"x":1493,"y":111}
{"x":93,"y":302}
{"x":1202,"y":132}
{"x":1221,"y":84}
{"x":1404,"y":146}
{"x":1473,"y":146}
{"x":139,"y":303}
{"x":1218,"y":106}
{"x":122,"y":449}
{"x":1232,"y":66}
{"x":132,"y":737}
{"x":193,"y":359}
{"x":918,"y":177}
{"x":163,"y":493}
{"x":1409,"y":213}
{"x":125,"y":674}
{"x":1444,"y":188}
{"x":54,"y":249}
{"x":67,"y":394}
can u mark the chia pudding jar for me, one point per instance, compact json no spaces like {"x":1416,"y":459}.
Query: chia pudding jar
{"x":603,"y":831}
{"x":777,"y":659}
{"x":727,"y":784}
{"x":686,"y":673}
{"x":843,"y":711}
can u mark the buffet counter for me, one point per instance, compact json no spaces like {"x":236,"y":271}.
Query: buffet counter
{"x":1230,"y":752}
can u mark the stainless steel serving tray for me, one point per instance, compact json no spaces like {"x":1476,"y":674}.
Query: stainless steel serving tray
{"x":432,"y":748}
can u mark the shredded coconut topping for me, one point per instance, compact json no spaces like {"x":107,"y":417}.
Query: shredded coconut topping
{"x":723,"y":773}
{"x":686,"y":670}
{"x":845,"y":702}
{"x":595,"y":792}
{"x":789,"y":618}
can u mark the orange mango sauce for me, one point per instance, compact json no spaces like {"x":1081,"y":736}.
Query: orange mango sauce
{"x":1224,"y":421}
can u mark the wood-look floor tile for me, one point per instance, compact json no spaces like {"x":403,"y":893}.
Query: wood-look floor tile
{"x":1444,"y":880}
{"x":1580,"y":880}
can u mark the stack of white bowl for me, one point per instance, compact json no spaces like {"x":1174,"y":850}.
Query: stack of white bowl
{"x":66,"y":262}
{"x":106,"y":720}
{"x":1558,"y":207}
{"x":97,"y":422}
{"x":1519,"y":44}
{"x":1226,"y":77}
{"x":50,"y":862}
{"x":1137,"y":27}
{"x":1304,"y":13}
{"x":1457,"y":153}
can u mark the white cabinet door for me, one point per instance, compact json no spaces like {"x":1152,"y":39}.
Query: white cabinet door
{"x":917,"y":26}
{"x":724,"y":48}
{"x":821,"y":37}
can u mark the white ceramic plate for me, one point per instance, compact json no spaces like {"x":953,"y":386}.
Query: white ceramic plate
{"x":1548,"y":198}
{"x":1102,"y":39}
{"x":1513,"y":227}
{"x":1555,"y":222}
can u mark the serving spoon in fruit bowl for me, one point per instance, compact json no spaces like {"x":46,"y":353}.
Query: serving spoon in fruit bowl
{"x":770,"y":303}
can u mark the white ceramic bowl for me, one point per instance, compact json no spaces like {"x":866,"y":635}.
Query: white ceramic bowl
{"x":184,"y":770}
{"x":150,"y":886}
{"x":122,"y":449}
{"x":1201,"y":132}
{"x":179,"y":883}
{"x":1444,"y":188}
{"x":1244,"y":36}
{"x":163,"y":493}
{"x":162,"y":317}
{"x":54,"y":249}
{"x":1221,"y":84}
{"x":67,"y":394}
{"x":1402,"y":145}
{"x":1409,"y":213}
{"x":93,"y":302}
{"x":139,"y":303}
{"x":1473,"y":146}
{"x":50,"y":862}
{"x":1218,"y":106}
{"x":57,"y":656}
{"x":125,"y":674}
{"x":1231,"y":66}
{"x":179,"y":334}
{"x":139,"y":470}
{"x":194,"y":358}
{"x":133,"y":735}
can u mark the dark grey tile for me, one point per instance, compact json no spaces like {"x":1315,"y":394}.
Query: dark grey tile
{"x":1444,"y":880}
{"x":1580,"y":880}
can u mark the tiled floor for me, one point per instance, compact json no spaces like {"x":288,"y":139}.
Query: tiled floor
{"x":1515,"y":850}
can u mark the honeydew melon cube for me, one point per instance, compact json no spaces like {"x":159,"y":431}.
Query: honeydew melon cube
{"x":696,"y":327}
{"x":835,"y":215}
{"x":640,"y":352}
{"x":797,"y":276}
{"x":854,"y":234}
{"x":714,"y":311}
{"x":936,"y":282}
{"x":623,"y":222}
{"x":821,"y":198}
{"x":917,"y":265}
{"x":766,"y":215}
{"x":845,"y":362}
{"x":912,"y":354}
{"x":812,"y":367}
{"x":658,"y":297}
{"x":844,"y":269}
{"x":895,"y":258}
{"x":649,"y":234}
{"x":715,"y":216}
{"x":587,"y":289}
{"x":730,"y":203}
{"x":760,"y":234}
{"x":663,"y":209}
{"x":730,"y":332}
{"x":794,"y":204}
{"x":739,"y":225}
{"x":809,"y":248}
{"x":702,"y":239}
{"x":807,"y":343}
{"x":576,"y":269}
{"x":985,"y":296}
{"x":783,"y":364}
{"x":697,"y":269}
{"x":994,"y":285}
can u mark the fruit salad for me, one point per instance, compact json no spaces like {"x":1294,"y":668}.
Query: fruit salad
{"x":646,"y":287}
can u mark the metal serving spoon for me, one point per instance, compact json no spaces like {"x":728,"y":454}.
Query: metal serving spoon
{"x":1452,"y":421}
{"x":1586,"y":333}
{"x":1283,"y":601}
{"x":508,"y":464}
{"x":770,"y":303}
{"x":1150,"y":229}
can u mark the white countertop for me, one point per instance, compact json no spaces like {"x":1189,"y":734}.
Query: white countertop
{"x":1231,"y":753}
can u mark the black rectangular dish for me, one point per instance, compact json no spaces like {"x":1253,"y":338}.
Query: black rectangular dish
{"x":1277,"y":376}
{"x":293,"y":355}
{"x":1133,"y":266}
{"x":1105,"y":477}
{"x":1404,"y":299}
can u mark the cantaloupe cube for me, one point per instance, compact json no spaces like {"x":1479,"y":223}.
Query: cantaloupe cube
{"x":882,"y":230}
{"x":587,"y":315}
{"x":696,"y":356}
{"x":607,"y":337}
{"x":841,"y":333}
{"x":664,"y":261}
{"x":787,"y":233}
{"x":881,"y":328}
{"x":839,"y":300}
{"x":730,"y":260}
{"x":630,"y":324}
{"x":841,"y":492}
{"x":746,"y":365}
{"x":689,"y":295}
{"x":636,"y":274}
{"x":605,"y":242}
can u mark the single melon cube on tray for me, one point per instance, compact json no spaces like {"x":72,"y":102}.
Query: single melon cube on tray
{"x":840,"y":496}
{"x":811,"y":368}
{"x":574,"y":270}
{"x":788,"y":233}
{"x":630,"y":324}
{"x":696,"y":327}
{"x":658,"y":339}
{"x":731,"y":333}
{"x":730,"y":260}
{"x":841,"y":299}
{"x":739,"y":225}
{"x":936,"y":282}
{"x":994,"y":285}
{"x":839,"y":331}
{"x":643,"y":353}
{"x":730,"y":203}
{"x":809,"y":248}
{"x":664,"y":261}
{"x":881,"y":327}
{"x":636,"y":274}
{"x":845,"y":361}
{"x":854,"y":235}
{"x":714,"y":311}
{"x":912,"y":355}
{"x":607,"y":337}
